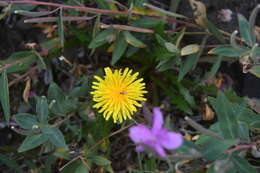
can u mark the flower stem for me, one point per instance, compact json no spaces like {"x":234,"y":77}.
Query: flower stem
{"x":201,"y":129}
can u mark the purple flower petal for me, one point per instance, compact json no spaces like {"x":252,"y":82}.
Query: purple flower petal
{"x":140,"y":134}
{"x":157,"y":119}
{"x":171,"y":140}
{"x":139,"y":148}
{"x":159,"y":149}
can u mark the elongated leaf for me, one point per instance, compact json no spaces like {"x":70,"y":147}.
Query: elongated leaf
{"x":25,"y":120}
{"x":19,"y":61}
{"x":33,"y":141}
{"x":245,"y":31}
{"x":252,"y":19}
{"x":228,"y":51}
{"x":10,"y":163}
{"x":242,"y":166}
{"x":100,"y":160}
{"x":187,"y":65}
{"x":171,"y":47}
{"x":119,"y":49}
{"x":55,"y":136}
{"x":102,"y":38}
{"x":42,"y":109}
{"x":132,"y":40}
{"x":214,"y":68}
{"x":214,"y":30}
{"x":227,"y":119}
{"x":190,"y":49}
{"x":4,"y":96}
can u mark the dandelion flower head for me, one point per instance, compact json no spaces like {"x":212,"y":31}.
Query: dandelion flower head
{"x":118,"y":94}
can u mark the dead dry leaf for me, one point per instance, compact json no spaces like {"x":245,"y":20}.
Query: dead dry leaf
{"x":199,"y":12}
{"x":208,"y":114}
{"x":27,"y":89}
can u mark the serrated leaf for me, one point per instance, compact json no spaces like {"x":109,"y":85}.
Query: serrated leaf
{"x":42,"y":109}
{"x":214,"y":148}
{"x":226,"y":116}
{"x":132,"y":40}
{"x":4,"y":95}
{"x":119,"y":49}
{"x":26,"y":120}
{"x":55,"y":136}
{"x":242,"y":166}
{"x":228,"y":51}
{"x":190,"y":49}
{"x":33,"y":141}
{"x":244,"y":30}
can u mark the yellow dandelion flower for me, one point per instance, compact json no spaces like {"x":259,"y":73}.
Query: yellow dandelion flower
{"x":118,"y":94}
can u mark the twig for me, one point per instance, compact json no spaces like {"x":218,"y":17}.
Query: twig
{"x":81,"y":8}
{"x":126,"y":27}
{"x":106,"y":137}
{"x":240,"y":147}
{"x":94,"y":146}
{"x":22,"y":76}
{"x":201,"y":129}
{"x":55,"y":19}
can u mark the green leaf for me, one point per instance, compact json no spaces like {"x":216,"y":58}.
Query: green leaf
{"x":187,"y":65}
{"x":119,"y":49}
{"x":42,"y":109}
{"x":214,"y":68}
{"x":33,"y":141}
{"x":10,"y":163}
{"x":255,"y":70}
{"x":59,"y":102}
{"x":187,"y":96}
{"x":171,"y":47}
{"x":242,"y":166}
{"x":55,"y":136}
{"x":4,"y":95}
{"x":166,"y":64}
{"x":214,"y":148}
{"x":214,"y":30}
{"x":26,"y":120}
{"x":19,"y":61}
{"x":146,"y":22}
{"x":252,"y":19}
{"x":227,"y":118}
{"x":101,"y":38}
{"x":100,"y":160}
{"x":245,"y":31}
{"x":81,"y":169}
{"x":229,"y":51}
{"x":132,"y":40}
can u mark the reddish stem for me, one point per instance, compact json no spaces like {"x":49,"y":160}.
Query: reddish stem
{"x":89,"y":9}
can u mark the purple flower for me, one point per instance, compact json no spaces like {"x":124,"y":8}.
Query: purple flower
{"x":156,"y":138}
